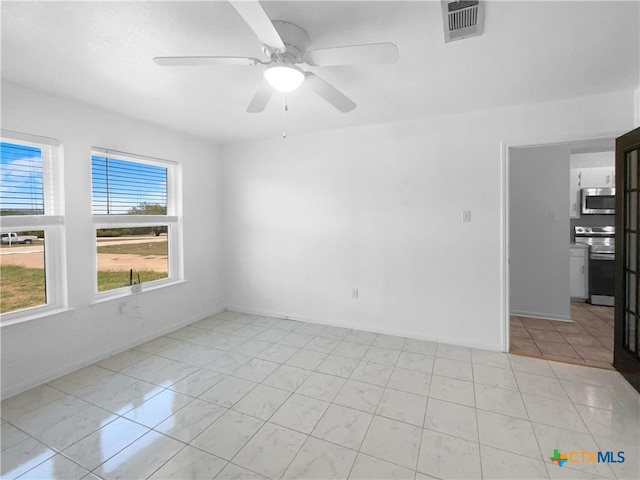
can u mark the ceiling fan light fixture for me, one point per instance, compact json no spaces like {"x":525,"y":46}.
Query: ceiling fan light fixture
{"x":284,"y":78}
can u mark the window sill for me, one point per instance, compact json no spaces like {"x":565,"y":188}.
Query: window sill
{"x":28,"y":317}
{"x":125,"y":292}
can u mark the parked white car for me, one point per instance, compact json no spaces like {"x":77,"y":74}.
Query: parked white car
{"x":12,"y":237}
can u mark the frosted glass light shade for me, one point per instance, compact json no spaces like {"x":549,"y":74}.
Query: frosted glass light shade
{"x":284,"y":78}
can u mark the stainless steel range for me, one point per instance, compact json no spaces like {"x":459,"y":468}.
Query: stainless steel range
{"x":602,"y":249}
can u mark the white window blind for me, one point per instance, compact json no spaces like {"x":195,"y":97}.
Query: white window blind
{"x":26,"y":178}
{"x":123,"y":187}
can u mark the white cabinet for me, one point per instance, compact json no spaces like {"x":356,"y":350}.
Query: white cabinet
{"x":574,"y":193}
{"x":597,"y":177}
{"x":578,"y":273}
{"x":592,"y":177}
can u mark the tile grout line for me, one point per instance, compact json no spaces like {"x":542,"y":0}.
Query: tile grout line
{"x":535,"y":435}
{"x":424,"y":417}
{"x":475,"y":411}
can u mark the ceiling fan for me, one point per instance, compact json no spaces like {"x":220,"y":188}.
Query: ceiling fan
{"x":285,"y":46}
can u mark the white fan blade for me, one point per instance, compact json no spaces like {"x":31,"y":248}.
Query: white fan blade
{"x":330,"y":93}
{"x":353,"y":55}
{"x":259,"y":22}
{"x":196,"y":61}
{"x":261,"y":98}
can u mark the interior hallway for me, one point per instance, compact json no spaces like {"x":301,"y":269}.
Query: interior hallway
{"x":588,"y":340}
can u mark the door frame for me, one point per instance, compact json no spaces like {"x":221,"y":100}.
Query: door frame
{"x":623,"y":361}
{"x":505,"y":147}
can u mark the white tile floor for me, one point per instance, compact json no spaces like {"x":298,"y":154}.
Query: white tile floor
{"x":242,"y":396}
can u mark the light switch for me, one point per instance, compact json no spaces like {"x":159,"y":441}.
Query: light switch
{"x":553,"y":216}
{"x":466,"y":216}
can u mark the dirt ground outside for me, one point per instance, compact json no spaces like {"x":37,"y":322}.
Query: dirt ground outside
{"x":106,"y":261}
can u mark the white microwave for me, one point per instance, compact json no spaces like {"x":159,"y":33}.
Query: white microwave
{"x":598,"y":201}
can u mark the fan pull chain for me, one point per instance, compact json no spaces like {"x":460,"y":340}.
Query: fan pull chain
{"x":284,"y":118}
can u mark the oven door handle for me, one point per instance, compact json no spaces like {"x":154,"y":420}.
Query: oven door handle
{"x":603,"y":256}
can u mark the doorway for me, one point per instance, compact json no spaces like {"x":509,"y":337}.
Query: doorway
{"x":569,"y":331}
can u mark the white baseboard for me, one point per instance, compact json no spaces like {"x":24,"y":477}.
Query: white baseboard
{"x":61,"y":371}
{"x":544,"y":316}
{"x":386,"y":331}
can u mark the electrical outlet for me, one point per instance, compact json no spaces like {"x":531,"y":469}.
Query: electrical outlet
{"x":136,"y":288}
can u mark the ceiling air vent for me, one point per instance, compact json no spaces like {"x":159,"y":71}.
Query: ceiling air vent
{"x":462,"y":19}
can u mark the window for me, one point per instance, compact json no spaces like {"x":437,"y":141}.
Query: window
{"x":31,"y":206}
{"x":134,"y":201}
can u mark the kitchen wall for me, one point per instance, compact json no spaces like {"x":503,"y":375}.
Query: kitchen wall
{"x":379,"y":208}
{"x":538,"y":222}
{"x":44,"y":348}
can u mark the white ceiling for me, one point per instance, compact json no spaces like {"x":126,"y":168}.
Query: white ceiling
{"x":100,"y":53}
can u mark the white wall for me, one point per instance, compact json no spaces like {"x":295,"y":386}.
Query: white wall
{"x":538,"y":243}
{"x":379,"y":208}
{"x":636,"y":105}
{"x":38,"y":350}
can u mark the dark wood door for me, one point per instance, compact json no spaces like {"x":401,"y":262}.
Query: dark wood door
{"x":626,"y":350}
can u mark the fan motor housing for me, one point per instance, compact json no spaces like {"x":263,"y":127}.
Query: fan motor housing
{"x":295,"y":40}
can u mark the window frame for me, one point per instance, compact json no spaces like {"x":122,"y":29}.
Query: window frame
{"x":173,"y":221}
{"x":51,"y":222}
